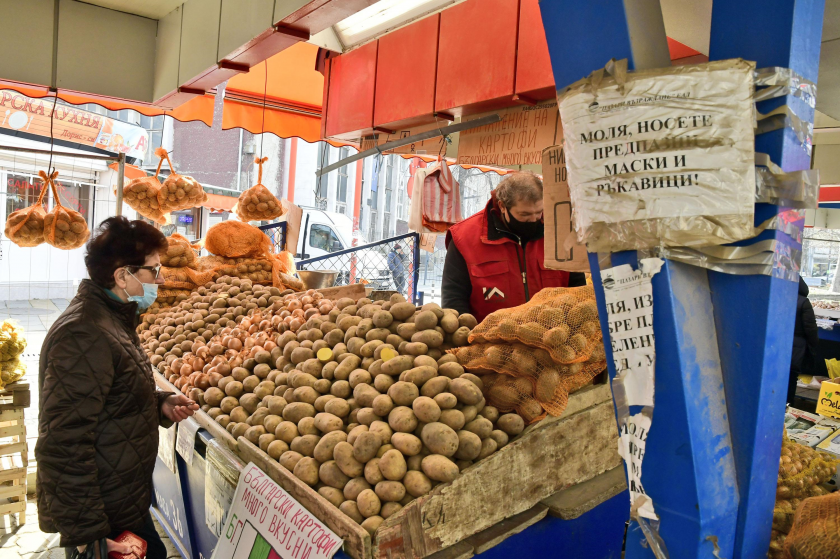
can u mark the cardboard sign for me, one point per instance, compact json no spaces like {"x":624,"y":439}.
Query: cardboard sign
{"x":293,"y":217}
{"x":562,"y":249}
{"x":427,"y":241}
{"x":829,"y":400}
{"x":265,"y":521}
{"x":518,"y":139}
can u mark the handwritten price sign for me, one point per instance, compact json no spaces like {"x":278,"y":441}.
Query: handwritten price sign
{"x":264,"y":517}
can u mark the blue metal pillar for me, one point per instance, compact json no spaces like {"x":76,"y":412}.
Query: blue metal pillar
{"x":755,"y":314}
{"x":722,"y":357}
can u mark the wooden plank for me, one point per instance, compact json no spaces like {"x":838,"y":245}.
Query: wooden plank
{"x":577,"y":500}
{"x":9,"y":491}
{"x":461,"y":550}
{"x":13,"y":507}
{"x":553,"y":454}
{"x":13,"y":431}
{"x":13,"y":474}
{"x":355,"y":291}
{"x":14,"y":414}
{"x":493,"y":536}
{"x":356,"y":539}
{"x":12,"y":448}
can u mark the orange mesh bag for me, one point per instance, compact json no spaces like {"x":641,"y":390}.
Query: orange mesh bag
{"x":178,"y":192}
{"x":177,"y":278}
{"x":512,"y":394}
{"x":25,"y":227}
{"x":180,"y":252}
{"x":258,"y":270}
{"x":258,"y":203}
{"x":168,"y":297}
{"x":286,"y":262}
{"x":64,"y":228}
{"x":816,"y":529}
{"x":234,"y":239}
{"x":143,"y":194}
{"x":563,"y":321}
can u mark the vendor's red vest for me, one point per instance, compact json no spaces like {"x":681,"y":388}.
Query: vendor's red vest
{"x":494,"y":267}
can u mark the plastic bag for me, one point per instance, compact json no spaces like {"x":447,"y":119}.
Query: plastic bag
{"x":258,"y":203}
{"x":64,"y":228}
{"x":11,"y":371}
{"x":180,"y":252}
{"x":25,"y":227}
{"x":143,"y":194}
{"x":178,"y":192}
{"x":12,"y":342}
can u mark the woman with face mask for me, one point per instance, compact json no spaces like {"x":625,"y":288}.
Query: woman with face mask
{"x":99,"y":409}
{"x":495,"y":258}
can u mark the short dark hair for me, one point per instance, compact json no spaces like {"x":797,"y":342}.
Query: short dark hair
{"x":119,"y":242}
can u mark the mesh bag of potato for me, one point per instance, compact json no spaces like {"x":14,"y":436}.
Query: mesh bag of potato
{"x":168,"y":297}
{"x":258,"y":203}
{"x":258,"y":270}
{"x":143,"y":194}
{"x":12,"y":342}
{"x":527,"y":374}
{"x":11,"y":371}
{"x":25,"y":227}
{"x":816,"y":529}
{"x":563,"y":321}
{"x":180,"y":253}
{"x":178,"y":192}
{"x":64,"y":228}
{"x":234,"y":239}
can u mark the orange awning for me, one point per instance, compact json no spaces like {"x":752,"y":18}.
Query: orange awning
{"x":131,"y":171}
{"x":199,"y":108}
{"x":217,"y":203}
{"x":288,"y":103}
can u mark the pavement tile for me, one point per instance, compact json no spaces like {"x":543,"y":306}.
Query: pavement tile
{"x":43,"y":304}
{"x":36,"y":541}
{"x":18,"y":304}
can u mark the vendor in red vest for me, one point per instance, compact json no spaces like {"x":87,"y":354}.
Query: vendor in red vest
{"x":495,"y":258}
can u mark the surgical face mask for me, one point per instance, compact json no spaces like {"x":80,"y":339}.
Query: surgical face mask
{"x":144,"y":301}
{"x":525,"y":230}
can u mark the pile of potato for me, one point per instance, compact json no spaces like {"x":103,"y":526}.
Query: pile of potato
{"x":65,"y":229}
{"x":25,"y":227}
{"x":257,"y":270}
{"x":357,"y":398}
{"x":180,"y":192}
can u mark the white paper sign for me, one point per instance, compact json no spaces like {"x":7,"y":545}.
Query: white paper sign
{"x":218,"y":496}
{"x":186,"y":439}
{"x":661,"y":152}
{"x":166,"y":447}
{"x":263,"y":514}
{"x":629,"y":300}
{"x":631,"y":447}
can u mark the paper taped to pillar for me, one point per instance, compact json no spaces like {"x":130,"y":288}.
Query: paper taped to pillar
{"x":562,"y":249}
{"x":661,"y":157}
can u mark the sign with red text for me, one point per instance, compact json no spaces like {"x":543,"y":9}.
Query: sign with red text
{"x":33,"y":116}
{"x":518,"y":139}
{"x":662,"y":157}
{"x":265,"y":522}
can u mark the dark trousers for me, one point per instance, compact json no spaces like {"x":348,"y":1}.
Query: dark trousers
{"x":155,"y":548}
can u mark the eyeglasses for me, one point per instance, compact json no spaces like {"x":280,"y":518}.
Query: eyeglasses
{"x":154,"y":269}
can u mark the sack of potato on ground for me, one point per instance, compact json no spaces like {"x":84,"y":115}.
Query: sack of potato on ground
{"x":531,"y":357}
{"x":358,"y":399}
{"x":258,"y":203}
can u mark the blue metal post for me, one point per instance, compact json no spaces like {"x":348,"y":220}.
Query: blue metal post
{"x":415,"y":272}
{"x":755,"y":314}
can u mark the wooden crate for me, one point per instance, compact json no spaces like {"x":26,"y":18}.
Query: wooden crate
{"x":13,"y":462}
{"x":15,"y":394}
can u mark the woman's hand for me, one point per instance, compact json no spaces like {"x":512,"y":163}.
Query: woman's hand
{"x":121,"y":548}
{"x":178,"y":407}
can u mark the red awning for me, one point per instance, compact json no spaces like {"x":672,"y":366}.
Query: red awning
{"x":217,"y":203}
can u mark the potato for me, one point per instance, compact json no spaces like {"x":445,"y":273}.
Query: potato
{"x":337,"y":407}
{"x":355,"y":432}
{"x":351,"y":509}
{"x":469,"y":412}
{"x":390,"y":491}
{"x":402,"y":311}
{"x":276,"y":448}
{"x":488,"y":447}
{"x":416,"y":348}
{"x":434,"y":386}
{"x":331,"y":494}
{"x":239,"y":429}
{"x":289,"y":459}
{"x":343,"y":455}
{"x":258,"y":416}
{"x":426,"y":409}
{"x":341,"y":389}
{"x":393,"y":467}
{"x":425,"y":320}
{"x":466,"y":392}
{"x":406,"y":330}
{"x":214,"y":396}
{"x":305,"y":444}
{"x":490,"y":413}
{"x":416,"y":483}
{"x":407,"y":443}
{"x":469,"y":446}
{"x":238,"y":414}
{"x":373,"y":474}
{"x":448,"y":358}
{"x":419,"y":375}
{"x":460,"y":337}
{"x":276,"y":404}
{"x":432,"y":338}
{"x":325,"y":448}
{"x":365,"y":394}
{"x":382,"y":319}
{"x":234,"y":388}
{"x":403,"y":393}
{"x":354,"y":487}
{"x":347,"y":366}
{"x":388,"y":509}
{"x":228,"y":404}
{"x":382,"y":430}
{"x":402,"y":419}
{"x":453,"y":418}
{"x":446,"y":400}
{"x":327,"y":422}
{"x":511,"y":424}
{"x":451,"y":370}
{"x":414,"y":462}
{"x":449,"y":323}
{"x":397,"y":365}
{"x":368,"y":503}
{"x":500,"y":437}
{"x":249,"y":402}
{"x":382,"y":405}
{"x":331,"y":474}
{"x":366,"y":446}
{"x":481,"y":426}
{"x":306,"y":394}
{"x":286,"y":431}
{"x":372,"y":523}
{"x":440,"y":439}
{"x":298,"y":410}
{"x":439,"y":468}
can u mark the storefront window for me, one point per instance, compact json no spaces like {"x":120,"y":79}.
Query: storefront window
{"x":21,"y":191}
{"x":184,"y":222}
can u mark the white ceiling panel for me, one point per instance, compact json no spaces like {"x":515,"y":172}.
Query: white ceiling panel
{"x":154,"y":9}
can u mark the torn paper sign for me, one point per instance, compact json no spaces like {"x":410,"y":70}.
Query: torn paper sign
{"x":629,"y":299}
{"x":631,"y":447}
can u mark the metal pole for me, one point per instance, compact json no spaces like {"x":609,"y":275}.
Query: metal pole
{"x":120,"y":182}
{"x":63,"y":154}
{"x":416,"y":271}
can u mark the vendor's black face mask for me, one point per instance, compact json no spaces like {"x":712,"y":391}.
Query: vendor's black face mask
{"x":525,"y":230}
